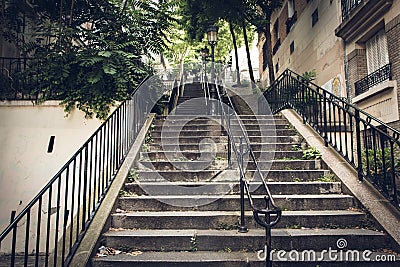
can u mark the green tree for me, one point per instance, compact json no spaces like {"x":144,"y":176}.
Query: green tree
{"x":200,"y":14}
{"x":90,"y":52}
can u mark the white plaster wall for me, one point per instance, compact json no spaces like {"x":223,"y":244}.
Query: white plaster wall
{"x":25,"y":165}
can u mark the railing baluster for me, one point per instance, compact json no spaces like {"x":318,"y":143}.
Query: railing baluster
{"x":27,"y":235}
{"x":393,"y":174}
{"x":325,"y":127}
{"x":14,"y":238}
{"x":38,"y":229}
{"x":242,"y":226}
{"x":50,"y":195}
{"x":57,"y":221}
{"x":85,"y":188}
{"x":65,"y":217}
{"x":358,"y":147}
{"x":73,"y":197}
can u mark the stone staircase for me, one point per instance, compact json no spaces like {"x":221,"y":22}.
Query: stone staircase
{"x":180,"y":205}
{"x":192,"y":101}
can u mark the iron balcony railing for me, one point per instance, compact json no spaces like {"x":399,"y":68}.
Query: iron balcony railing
{"x":49,"y":229}
{"x":348,"y":7}
{"x":238,"y":142}
{"x":366,"y":143}
{"x":15,"y":83}
{"x":375,"y":78}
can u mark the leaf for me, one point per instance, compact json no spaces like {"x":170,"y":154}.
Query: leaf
{"x":105,"y":54}
{"x":109,"y":70}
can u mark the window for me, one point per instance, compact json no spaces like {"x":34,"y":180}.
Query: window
{"x":377,"y":51}
{"x":314,"y":17}
{"x":291,"y":47}
{"x":277,"y":67}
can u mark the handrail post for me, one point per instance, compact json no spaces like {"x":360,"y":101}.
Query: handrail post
{"x":325,"y":120}
{"x":358,"y":140}
{"x":303,"y":101}
{"x":14,"y":238}
{"x":242,"y":226}
{"x":228,"y":125}
{"x":268,"y":235}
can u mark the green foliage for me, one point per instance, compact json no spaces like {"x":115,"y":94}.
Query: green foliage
{"x":376,"y":160}
{"x":328,"y":178}
{"x":310,"y":75}
{"x":133,"y":176}
{"x":193,"y":243}
{"x":90,"y":54}
{"x":311,"y":153}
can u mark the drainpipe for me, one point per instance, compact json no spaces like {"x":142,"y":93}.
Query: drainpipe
{"x":346,"y":71}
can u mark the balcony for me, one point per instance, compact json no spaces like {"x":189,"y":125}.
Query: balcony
{"x":373,"y":79}
{"x":348,"y":6}
{"x":359,"y":15}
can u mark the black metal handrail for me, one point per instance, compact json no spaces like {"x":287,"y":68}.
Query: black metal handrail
{"x":173,"y":97}
{"x":271,"y":212}
{"x":348,"y":7}
{"x":369,"y":145}
{"x":382,"y":74}
{"x":50,"y":228}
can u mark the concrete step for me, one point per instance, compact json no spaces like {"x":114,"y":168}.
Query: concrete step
{"x":229,"y":219}
{"x":234,"y":259}
{"x":173,"y":151}
{"x":221,"y":139}
{"x":213,"y":119}
{"x":210,"y":188}
{"x":224,"y":202}
{"x":254,"y":240}
{"x":231,"y":175}
{"x":213,"y":164}
{"x":251,"y":130}
{"x":243,"y":117}
{"x":168,"y":132}
{"x":221,"y":147}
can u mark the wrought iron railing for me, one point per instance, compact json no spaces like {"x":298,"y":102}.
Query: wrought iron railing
{"x":49,"y":229}
{"x":348,"y":7}
{"x":239,"y":143}
{"x":369,"y":145}
{"x":375,"y":78}
{"x":15,"y":84}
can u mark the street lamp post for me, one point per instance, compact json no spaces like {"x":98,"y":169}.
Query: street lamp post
{"x":204,"y":54}
{"x":212,"y":35}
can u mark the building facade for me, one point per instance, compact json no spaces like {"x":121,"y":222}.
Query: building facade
{"x":353,"y":46}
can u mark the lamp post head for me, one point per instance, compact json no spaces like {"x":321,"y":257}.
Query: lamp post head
{"x":212,"y":34}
